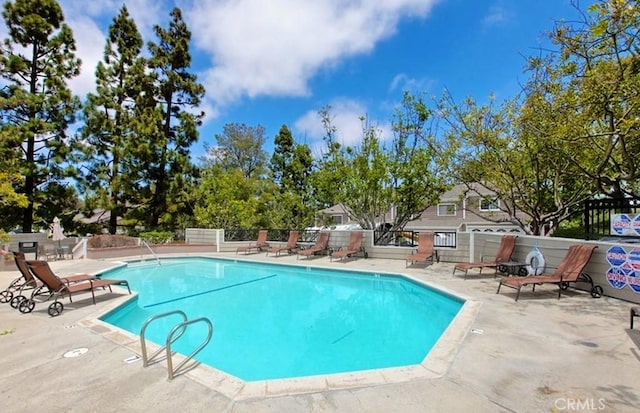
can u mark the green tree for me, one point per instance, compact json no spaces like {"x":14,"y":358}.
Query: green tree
{"x":383,"y":187}
{"x":177,"y":93}
{"x":227,"y":199}
{"x":109,"y":128}
{"x":291,"y":166}
{"x":513,"y":151}
{"x":36,"y":61}
{"x":600,"y":68}
{"x":240,"y":147}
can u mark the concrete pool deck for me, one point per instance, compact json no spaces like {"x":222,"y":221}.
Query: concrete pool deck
{"x":537,"y":354}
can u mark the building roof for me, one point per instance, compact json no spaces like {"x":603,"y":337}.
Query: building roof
{"x":457,"y":192}
{"x":99,"y":216}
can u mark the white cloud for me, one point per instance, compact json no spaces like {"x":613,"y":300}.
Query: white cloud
{"x":497,"y":15}
{"x":274,"y":47}
{"x":88,"y":36}
{"x":346,"y":117}
{"x":404,"y":82}
{"x":84,"y":17}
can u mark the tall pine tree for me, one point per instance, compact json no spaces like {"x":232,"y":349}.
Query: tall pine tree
{"x":109,"y":127}
{"x":177,"y":92}
{"x":36,"y":61}
{"x":291,"y":167}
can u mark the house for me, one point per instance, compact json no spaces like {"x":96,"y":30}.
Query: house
{"x":334,"y":215}
{"x":460,"y":210}
{"x":340,"y":215}
{"x":464,"y":210}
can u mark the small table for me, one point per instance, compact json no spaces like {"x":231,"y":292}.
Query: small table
{"x":513,"y":268}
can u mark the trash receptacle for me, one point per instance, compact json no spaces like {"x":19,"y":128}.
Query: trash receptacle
{"x":28,"y":247}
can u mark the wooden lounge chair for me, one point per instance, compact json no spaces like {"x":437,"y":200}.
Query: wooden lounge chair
{"x":354,"y":247}
{"x":425,"y":251}
{"x":321,"y":245}
{"x":569,"y":271}
{"x":507,"y":245}
{"x":260,"y":243}
{"x":59,"y":286}
{"x":14,"y":293}
{"x":291,"y":244}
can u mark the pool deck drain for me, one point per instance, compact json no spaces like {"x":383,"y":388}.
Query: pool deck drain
{"x":537,"y":354}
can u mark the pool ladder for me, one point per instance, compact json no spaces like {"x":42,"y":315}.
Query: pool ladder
{"x":146,"y":244}
{"x":176,"y":332}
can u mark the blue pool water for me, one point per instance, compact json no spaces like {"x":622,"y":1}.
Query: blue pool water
{"x":275,"y":321}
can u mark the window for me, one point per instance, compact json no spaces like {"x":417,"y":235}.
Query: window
{"x":446,"y":210}
{"x":337,"y":219}
{"x":489,"y":204}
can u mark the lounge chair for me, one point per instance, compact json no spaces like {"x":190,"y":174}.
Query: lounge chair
{"x":425,"y":251}
{"x":291,"y":244}
{"x":260,"y":243}
{"x":569,"y":271}
{"x":321,"y":245}
{"x":14,"y":293}
{"x":59,"y":286}
{"x":354,"y":247}
{"x":507,"y":245}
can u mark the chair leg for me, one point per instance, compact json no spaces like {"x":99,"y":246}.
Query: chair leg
{"x":635,"y":312}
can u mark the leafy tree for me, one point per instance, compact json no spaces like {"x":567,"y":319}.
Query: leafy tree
{"x":240,"y":147}
{"x":233,"y":178}
{"x":227,"y":200}
{"x":512,"y":151}
{"x":384,"y":187}
{"x":36,"y":61}
{"x":600,"y":68}
{"x":108,"y":131}
{"x":177,"y":92}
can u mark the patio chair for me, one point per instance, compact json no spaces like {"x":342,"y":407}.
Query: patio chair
{"x":260,"y":243}
{"x":354,"y":247}
{"x":569,"y":271}
{"x":47,"y":251}
{"x":425,"y":251}
{"x":507,"y":245}
{"x":14,"y":293}
{"x":60,"y":286}
{"x":291,"y":244}
{"x":321,"y":245}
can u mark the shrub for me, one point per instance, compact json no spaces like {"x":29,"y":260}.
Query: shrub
{"x":157,"y":237}
{"x":110,"y":241}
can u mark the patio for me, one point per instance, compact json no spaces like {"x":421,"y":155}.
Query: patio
{"x":537,"y":354}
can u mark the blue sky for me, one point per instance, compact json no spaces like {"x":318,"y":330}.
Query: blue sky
{"x":275,"y":62}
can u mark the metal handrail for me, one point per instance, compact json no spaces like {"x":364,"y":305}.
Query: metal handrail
{"x":143,"y":345}
{"x":170,"y":340}
{"x":150,"y":250}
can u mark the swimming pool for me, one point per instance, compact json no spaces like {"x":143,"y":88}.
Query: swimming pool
{"x":275,"y":321}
